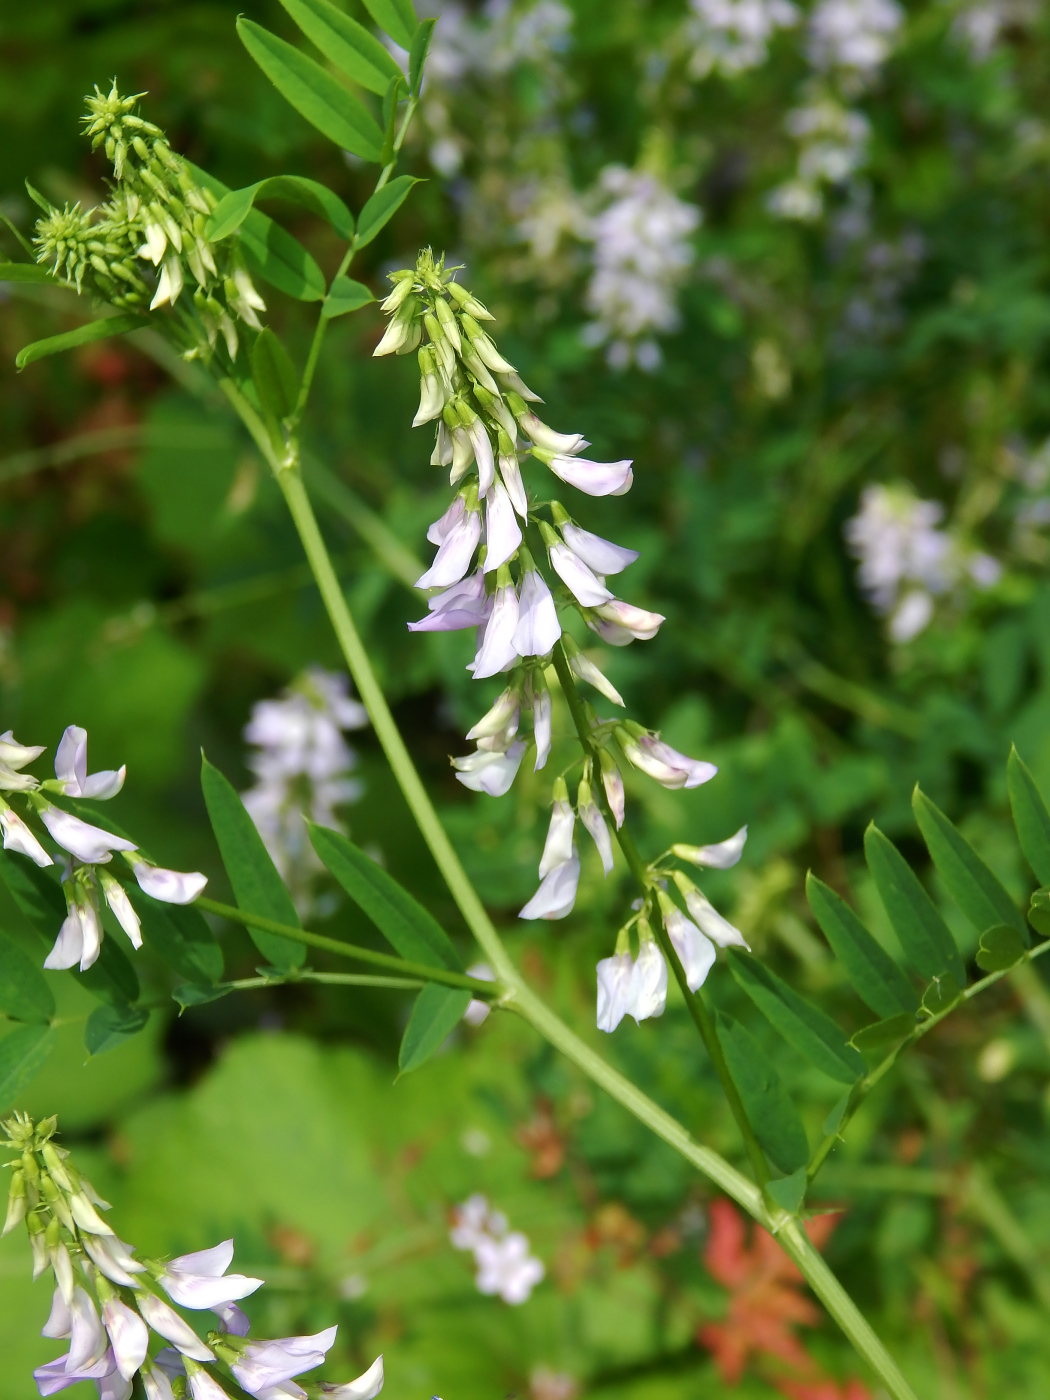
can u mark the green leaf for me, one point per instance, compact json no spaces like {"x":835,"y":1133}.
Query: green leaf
{"x":257,"y":887}
{"x":770,"y":1111}
{"x":344,"y":42}
{"x":24,"y":993}
{"x":23,"y":1054}
{"x":1039,"y":912}
{"x":345,"y":295}
{"x":1001,"y":947}
{"x":410,"y":928}
{"x":924,"y":936}
{"x":971,"y":884}
{"x":417,"y":54}
{"x":180,"y":935}
{"x":111,"y":978}
{"x":876,"y":978}
{"x":270,"y":251}
{"x":276,"y":381}
{"x":26,"y":272}
{"x":437,"y":1011}
{"x":109,"y":1026}
{"x":833,"y":1122}
{"x":875,"y":1041}
{"x":789,"y":1191}
{"x":83,"y":335}
{"x":313,"y":92}
{"x":381,"y":208}
{"x":802,"y":1025}
{"x":941,"y":995}
{"x":193,"y":994}
{"x":232,"y":210}
{"x":397,"y":17}
{"x":1030,"y":816}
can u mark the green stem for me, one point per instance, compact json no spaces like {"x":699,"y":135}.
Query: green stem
{"x":328,"y":979}
{"x":694,"y":1001}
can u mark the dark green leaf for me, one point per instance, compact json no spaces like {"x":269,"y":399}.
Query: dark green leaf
{"x":924,"y":936}
{"x":939,"y":996}
{"x":833,"y":1122}
{"x":345,"y":295}
{"x":436,"y":1013}
{"x":257,"y":887}
{"x":109,"y":1026}
{"x":193,"y":994}
{"x":417,"y":55}
{"x":876,"y":978}
{"x":789,"y":1191}
{"x":802,"y":1025}
{"x":412,"y":930}
{"x":391,"y":98}
{"x":970,"y":883}
{"x":772,"y":1115}
{"x":383,"y":205}
{"x":270,"y":251}
{"x":23,"y":1054}
{"x":313,"y":92}
{"x":26,"y":272}
{"x":24,"y":993}
{"x":1001,"y":947}
{"x":180,"y":935}
{"x":83,"y":335}
{"x":232,"y":210}
{"x":276,"y":381}
{"x":344,"y":42}
{"x":112,"y":978}
{"x":1030,"y":816}
{"x":1039,"y":912}
{"x":396,"y":17}
{"x":875,"y":1041}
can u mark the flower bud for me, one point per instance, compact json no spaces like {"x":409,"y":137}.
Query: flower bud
{"x":16,"y":1201}
{"x":612,"y":782}
{"x":449,"y":324}
{"x":468,"y":303}
{"x":57,"y":1202}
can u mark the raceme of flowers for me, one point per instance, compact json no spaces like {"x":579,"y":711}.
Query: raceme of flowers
{"x":486,"y":577}
{"x":107,"y":1302}
{"x":84,"y":850}
{"x":146,"y":244}
{"x":731,"y":36}
{"x":853,"y":36}
{"x":302,"y":765}
{"x":505,"y":1266}
{"x":906,"y":561}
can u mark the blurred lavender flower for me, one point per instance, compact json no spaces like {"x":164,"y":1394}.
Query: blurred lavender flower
{"x":505,"y":1266}
{"x":302,"y":763}
{"x":731,"y":36}
{"x":853,"y":36}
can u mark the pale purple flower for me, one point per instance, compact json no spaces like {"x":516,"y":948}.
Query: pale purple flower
{"x":506,"y":1268}
{"x":57,"y":1375}
{"x":721,"y":856}
{"x":593,"y":820}
{"x":366,"y":1387}
{"x":88,"y":843}
{"x":493,"y":773}
{"x":558,"y":847}
{"x":497,"y":650}
{"x":264,"y":1365}
{"x":114,"y":1387}
{"x":199,"y":1280}
{"x":502,"y":532}
{"x":79,"y":939}
{"x":482,"y":445}
{"x":669,"y":767}
{"x":707,"y":917}
{"x":168,"y":1324}
{"x":118,"y":901}
{"x":556,"y":894}
{"x":582,"y":583}
{"x":113,"y":1258}
{"x":612,"y":782}
{"x":620,"y":623}
{"x":594,"y":478}
{"x":156,"y":1385}
{"x":602,"y":556}
{"x":71,"y":769}
{"x":582,"y":666}
{"x":614,"y":980}
{"x":544,"y":437}
{"x":60,"y":1319}
{"x":696,"y":953}
{"x":233,"y":1319}
{"x":541,"y":727}
{"x":463,"y":605}
{"x":538,"y":627}
{"x":454,"y":553}
{"x":18,"y":837}
{"x":128,"y":1335}
{"x":169,"y":886}
{"x":204,"y":1386}
{"x":439,"y":532}
{"x":511,"y":474}
{"x":647,"y":990}
{"x":87,"y":1339}
{"x":500,"y":723}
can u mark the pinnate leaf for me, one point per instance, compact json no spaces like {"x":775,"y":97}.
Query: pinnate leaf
{"x":344,"y":42}
{"x":1031,"y":817}
{"x":397,"y":17}
{"x":27,"y":272}
{"x":232,"y":210}
{"x":180,"y":935}
{"x":345,"y":295}
{"x":876,"y":978}
{"x":976,"y":891}
{"x":382,"y":206}
{"x":924,"y":936}
{"x":772,"y":1115}
{"x":436,"y":1013}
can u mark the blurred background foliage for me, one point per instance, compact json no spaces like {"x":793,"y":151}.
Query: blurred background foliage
{"x":862,"y":300}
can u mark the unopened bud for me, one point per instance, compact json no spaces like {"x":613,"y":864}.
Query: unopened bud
{"x":468,"y":302}
{"x":449,"y":323}
{"x":55,"y":1167}
{"x":16,"y":1201}
{"x":86,"y":1216}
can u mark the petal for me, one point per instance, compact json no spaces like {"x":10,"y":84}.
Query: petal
{"x":105,"y":784}
{"x":88,"y":843}
{"x":602,"y":556}
{"x":170,"y":886}
{"x":71,"y":760}
{"x":233,"y":1319}
{"x":128,"y":1334}
{"x":497,"y":649}
{"x":168,"y":1324}
{"x":578,"y":577}
{"x":557,"y":893}
{"x":157,"y":1385}
{"x":60,"y":1321}
{"x":454,"y":554}
{"x":69,"y":945}
{"x":538,"y":628}
{"x":594,"y":478}
{"x":558,"y":846}
{"x":18,"y":837}
{"x":502,"y":532}
{"x":366,"y":1387}
{"x":118,"y":901}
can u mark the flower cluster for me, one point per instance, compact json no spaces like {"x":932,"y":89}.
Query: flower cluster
{"x":505,"y":1266}
{"x":143,"y":245}
{"x":488,"y":579}
{"x":642,"y":251}
{"x":107,"y":1302}
{"x":302,"y":763}
{"x":906,"y":561}
{"x":84,"y":849}
{"x":833,"y":144}
{"x":731,"y":36}
{"x":853,"y":36}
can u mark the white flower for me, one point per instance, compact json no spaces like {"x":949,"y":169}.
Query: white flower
{"x":721,"y":856}
{"x":493,"y":773}
{"x":79,"y":939}
{"x":156,"y":1384}
{"x":578,"y":577}
{"x":511,"y":474}
{"x":497,"y":650}
{"x":734,"y":35}
{"x":439,"y":532}
{"x":204,"y":1386}
{"x":366,"y":1387}
{"x":911,"y":615}
{"x":593,"y":820}
{"x":669,"y":767}
{"x":168,"y":1324}
{"x":13,"y":757}
{"x":612,"y":782}
{"x":557,"y":892}
{"x":118,"y":901}
{"x":502,"y":533}
{"x":472,"y":1221}
{"x":60,"y":1319}
{"x":580,"y":665}
{"x":265,"y":1365}
{"x":506,"y":1268}
{"x":706,"y":916}
{"x":542,"y":436}
{"x":454,"y":554}
{"x":620,"y":623}
{"x":170,"y":283}
{"x":169,"y":886}
{"x":87,"y":1339}
{"x":602,"y":556}
{"x":128,"y":1335}
{"x":647,"y":989}
{"x":199,"y":1280}
{"x":614,"y":981}
{"x":431,"y":399}
{"x":71,"y":769}
{"x":541,"y":727}
{"x":558,"y":847}
{"x":88,"y":843}
{"x":478,"y":1011}
{"x":853,"y":34}
{"x":499,"y":722}
{"x":594,"y":478}
{"x":480,"y":442}
{"x":18,"y":837}
{"x":463,"y":605}
{"x":538,"y":628}
{"x":113,"y":1258}
{"x":696,"y":953}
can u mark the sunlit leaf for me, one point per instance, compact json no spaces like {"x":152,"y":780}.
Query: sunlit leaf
{"x":345,"y":295}
{"x":232,"y":210}
{"x":381,"y":208}
{"x":83,"y":335}
{"x":344,"y":42}
{"x":417,"y":55}
{"x":397,"y":17}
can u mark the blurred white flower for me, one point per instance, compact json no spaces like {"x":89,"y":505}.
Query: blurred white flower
{"x":833,"y":145}
{"x":505,"y":1265}
{"x":302,"y":763}
{"x":734,"y":35}
{"x":855,"y":35}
